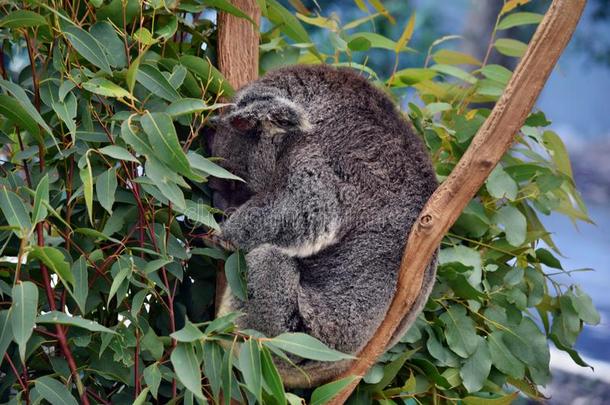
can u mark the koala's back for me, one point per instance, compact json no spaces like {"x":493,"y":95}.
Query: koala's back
{"x":369,"y":144}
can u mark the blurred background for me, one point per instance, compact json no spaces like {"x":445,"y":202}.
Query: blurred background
{"x":575,"y":99}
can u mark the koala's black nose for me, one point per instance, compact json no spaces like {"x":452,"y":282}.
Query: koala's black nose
{"x":228,"y":194}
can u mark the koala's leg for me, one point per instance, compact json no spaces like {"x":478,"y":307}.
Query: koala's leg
{"x":272,"y":282}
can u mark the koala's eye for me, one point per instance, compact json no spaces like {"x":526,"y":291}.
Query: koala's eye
{"x":284,"y":122}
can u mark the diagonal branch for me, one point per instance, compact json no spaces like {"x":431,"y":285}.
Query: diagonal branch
{"x":490,"y":143}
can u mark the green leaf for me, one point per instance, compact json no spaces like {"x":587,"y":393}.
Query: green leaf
{"x":189,"y":333}
{"x":122,"y":269}
{"x":291,"y":26}
{"x":42,"y":196}
{"x":57,"y":317}
{"x":497,"y":73}
{"x":15,"y":212}
{"x":141,"y":399}
{"x":359,"y":44}
{"x":26,"y":104}
{"x":307,"y":347}
{"x":502,"y":358}
{"x":118,"y":152}
{"x":376,"y":40}
{"x":207,"y":166}
{"x":186,"y":367}
{"x":212,"y":360}
{"x":510,"y":47}
{"x":86,"y":177}
{"x":191,"y":106}
{"x":558,"y":152}
{"x":208,"y":74}
{"x":6,"y":332}
{"x":105,"y":186}
{"x":55,"y":260}
{"x":326,"y":392}
{"x":162,"y":137}
{"x":271,"y":378}
{"x":464,"y":257}
{"x":165,"y":28}
{"x":152,"y":79}
{"x":517,"y":19}
{"x":54,"y":391}
{"x":66,"y":110}
{"x":88,"y":47}
{"x":144,"y":37}
{"x":200,"y":213}
{"x":476,"y":369}
{"x":583,"y":305}
{"x":460,"y":331}
{"x":11,"y":109}
{"x":391,"y":369}
{"x":514,"y":222}
{"x":526,"y":342}
{"x":235,"y":270}
{"x":23,"y":313}
{"x":177,"y":77}
{"x":495,"y":400}
{"x":152,"y":343}
{"x":80,"y":289}
{"x":152,"y":377}
{"x":226,"y":6}
{"x":161,"y":176}
{"x":451,"y":70}
{"x":105,"y":88}
{"x":449,"y":57}
{"x":132,"y":136}
{"x":132,"y":73}
{"x":500,"y":185}
{"x":110,"y":41}
{"x":406,"y":34}
{"x":250,"y":366}
{"x":22,"y":19}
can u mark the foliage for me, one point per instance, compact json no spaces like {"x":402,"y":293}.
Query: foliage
{"x":107,"y":277}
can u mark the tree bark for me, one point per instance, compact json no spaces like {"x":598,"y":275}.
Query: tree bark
{"x":490,"y":143}
{"x":238,"y":41}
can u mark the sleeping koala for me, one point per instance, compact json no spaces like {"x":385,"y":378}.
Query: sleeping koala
{"x":335,"y":178}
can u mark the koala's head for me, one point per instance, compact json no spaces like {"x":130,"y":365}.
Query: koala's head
{"x":251,"y":136}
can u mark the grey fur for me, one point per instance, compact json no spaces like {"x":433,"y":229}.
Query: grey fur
{"x":335,"y":178}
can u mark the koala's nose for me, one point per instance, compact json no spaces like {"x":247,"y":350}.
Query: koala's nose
{"x":220,"y":202}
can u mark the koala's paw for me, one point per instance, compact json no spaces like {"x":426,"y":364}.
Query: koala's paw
{"x":233,"y":231}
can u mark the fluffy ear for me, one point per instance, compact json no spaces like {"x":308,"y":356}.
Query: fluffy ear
{"x":243,"y":123}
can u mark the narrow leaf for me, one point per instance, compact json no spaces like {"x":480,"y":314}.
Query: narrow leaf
{"x":54,"y":391}
{"x":23,"y":313}
{"x":55,"y":260}
{"x":186,"y":367}
{"x":105,"y":187}
{"x":307,"y":347}
{"x":57,"y":317}
{"x":88,"y":47}
{"x":151,"y":78}
{"x":15,"y":212}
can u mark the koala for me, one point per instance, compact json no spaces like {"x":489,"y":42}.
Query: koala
{"x":334,"y":179}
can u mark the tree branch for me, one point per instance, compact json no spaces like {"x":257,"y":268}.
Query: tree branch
{"x":490,"y":143}
{"x":238,"y":41}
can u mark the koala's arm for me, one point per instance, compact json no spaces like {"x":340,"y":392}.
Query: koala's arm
{"x":304,"y":212}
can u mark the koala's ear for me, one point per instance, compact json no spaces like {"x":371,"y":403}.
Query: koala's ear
{"x":242,"y":123}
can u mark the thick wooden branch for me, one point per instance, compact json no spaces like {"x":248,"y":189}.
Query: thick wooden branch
{"x":490,"y":143}
{"x":238,"y":41}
